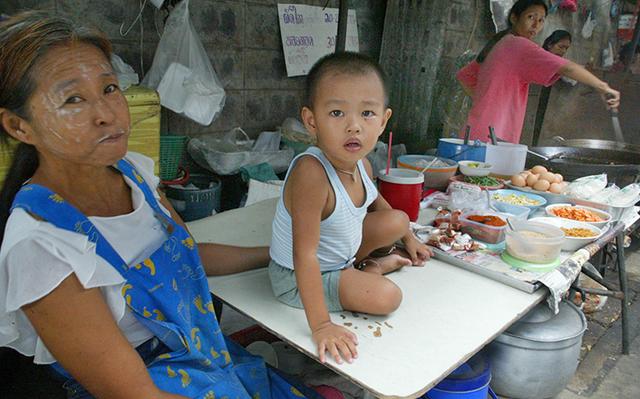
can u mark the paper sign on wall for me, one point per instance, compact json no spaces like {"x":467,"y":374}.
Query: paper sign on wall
{"x":309,"y":32}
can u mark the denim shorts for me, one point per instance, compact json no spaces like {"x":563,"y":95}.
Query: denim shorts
{"x":148,"y":351}
{"x":285,"y":288}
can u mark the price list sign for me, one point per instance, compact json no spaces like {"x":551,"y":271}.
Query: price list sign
{"x":309,"y":32}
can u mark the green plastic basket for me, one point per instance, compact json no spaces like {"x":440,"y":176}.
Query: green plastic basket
{"x":171,"y":152}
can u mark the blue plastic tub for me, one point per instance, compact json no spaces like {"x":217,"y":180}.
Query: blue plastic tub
{"x":456,"y":150}
{"x":469,"y":381}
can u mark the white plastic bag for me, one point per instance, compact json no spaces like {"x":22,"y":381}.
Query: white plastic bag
{"x":378,"y":157}
{"x":125,"y":74}
{"x":182,"y":73}
{"x":586,"y":187}
{"x":625,"y":197}
{"x":227,"y":154}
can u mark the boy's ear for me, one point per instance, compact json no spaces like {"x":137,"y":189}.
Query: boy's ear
{"x":15,"y":126}
{"x":513,"y":19}
{"x":385,"y":118}
{"x":309,"y":120}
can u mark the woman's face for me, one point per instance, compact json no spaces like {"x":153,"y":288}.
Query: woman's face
{"x":561,"y":47}
{"x":529,"y":23}
{"x":77,"y":112}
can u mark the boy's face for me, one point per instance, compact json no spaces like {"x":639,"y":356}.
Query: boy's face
{"x":348,"y":115}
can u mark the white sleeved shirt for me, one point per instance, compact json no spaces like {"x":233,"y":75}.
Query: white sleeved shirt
{"x":36,"y":257}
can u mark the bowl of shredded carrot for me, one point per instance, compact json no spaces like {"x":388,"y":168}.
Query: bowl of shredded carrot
{"x":579,"y":213}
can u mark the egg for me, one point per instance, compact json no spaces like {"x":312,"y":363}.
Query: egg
{"x":555,"y":188}
{"x":548,"y":176}
{"x":539,"y":169}
{"x":559,"y":178}
{"x":531,"y":180}
{"x":518,"y":181}
{"x":541,"y":185}
{"x":526,"y":172}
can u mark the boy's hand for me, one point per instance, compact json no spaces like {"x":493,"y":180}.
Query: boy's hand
{"x":339,"y":341}
{"x":418,"y":252}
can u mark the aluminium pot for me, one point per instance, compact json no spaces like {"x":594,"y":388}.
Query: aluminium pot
{"x":538,"y":355}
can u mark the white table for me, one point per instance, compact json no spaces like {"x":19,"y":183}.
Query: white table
{"x":447,"y":314}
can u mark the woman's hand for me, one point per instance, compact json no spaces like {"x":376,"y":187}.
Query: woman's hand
{"x":418,"y":252}
{"x":339,"y":341}
{"x":611,"y":97}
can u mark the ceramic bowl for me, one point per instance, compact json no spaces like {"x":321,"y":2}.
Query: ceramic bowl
{"x":474,"y":168}
{"x":606,"y":217}
{"x":570,"y":243}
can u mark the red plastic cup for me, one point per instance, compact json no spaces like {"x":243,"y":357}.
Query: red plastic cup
{"x":402,"y":188}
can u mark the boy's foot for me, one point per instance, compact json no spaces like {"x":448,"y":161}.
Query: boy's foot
{"x":385,"y":264}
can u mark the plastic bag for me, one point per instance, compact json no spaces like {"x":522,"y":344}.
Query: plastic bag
{"x":378,"y":157}
{"x":586,"y":187}
{"x":227,"y":154}
{"x":467,"y":196}
{"x":126,"y":75}
{"x":182,"y":73}
{"x":625,"y":197}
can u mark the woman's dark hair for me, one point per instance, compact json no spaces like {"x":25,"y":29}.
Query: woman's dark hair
{"x":24,"y":39}
{"x":555,"y":37}
{"x":346,"y":62}
{"x":518,"y":8}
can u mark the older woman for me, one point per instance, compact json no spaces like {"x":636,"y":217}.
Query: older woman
{"x":98,"y":275}
{"x":498,"y":80}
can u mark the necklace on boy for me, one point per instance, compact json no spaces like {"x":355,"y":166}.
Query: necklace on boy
{"x":346,"y":172}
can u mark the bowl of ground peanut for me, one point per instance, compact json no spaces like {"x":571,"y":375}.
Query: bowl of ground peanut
{"x":576,"y":234}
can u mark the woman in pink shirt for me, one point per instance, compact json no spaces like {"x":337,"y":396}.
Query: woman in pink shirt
{"x":498,"y":80}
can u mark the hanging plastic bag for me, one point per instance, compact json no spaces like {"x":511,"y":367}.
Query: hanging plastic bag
{"x":182,"y":73}
{"x":227,"y":154}
{"x":125,"y":74}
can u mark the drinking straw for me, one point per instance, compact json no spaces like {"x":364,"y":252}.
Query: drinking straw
{"x":389,"y":152}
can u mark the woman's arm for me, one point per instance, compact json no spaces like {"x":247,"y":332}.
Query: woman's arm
{"x":79,"y":330}
{"x":579,"y":73}
{"x":468,"y":77}
{"x":219,"y":259}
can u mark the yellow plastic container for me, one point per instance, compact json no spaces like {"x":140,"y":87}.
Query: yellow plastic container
{"x":144,"y":107}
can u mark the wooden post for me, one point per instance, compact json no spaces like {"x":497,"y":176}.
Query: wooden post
{"x":412,"y":43}
{"x":343,"y":18}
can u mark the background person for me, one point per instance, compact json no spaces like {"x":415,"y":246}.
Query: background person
{"x":498,"y":80}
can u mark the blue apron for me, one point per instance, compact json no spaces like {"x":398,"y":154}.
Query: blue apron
{"x":168,"y":293}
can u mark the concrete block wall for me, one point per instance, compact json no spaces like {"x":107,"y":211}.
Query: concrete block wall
{"x":242,"y":39}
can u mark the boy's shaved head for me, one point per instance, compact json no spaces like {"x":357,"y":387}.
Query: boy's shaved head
{"x":348,"y":63}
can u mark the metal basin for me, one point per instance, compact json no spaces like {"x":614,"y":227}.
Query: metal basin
{"x":621,"y":162}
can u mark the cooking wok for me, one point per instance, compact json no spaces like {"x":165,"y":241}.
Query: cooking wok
{"x":620,"y":161}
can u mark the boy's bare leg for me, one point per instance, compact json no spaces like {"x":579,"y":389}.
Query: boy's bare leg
{"x":382,"y":229}
{"x":365,"y":292}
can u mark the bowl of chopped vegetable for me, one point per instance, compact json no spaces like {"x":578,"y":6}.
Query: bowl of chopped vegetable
{"x":474,"y":168}
{"x":576,"y":234}
{"x":484,"y":182}
{"x":579,"y":213}
{"x":438,"y":171}
{"x":519,"y":198}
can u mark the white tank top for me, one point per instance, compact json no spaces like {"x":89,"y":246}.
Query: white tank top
{"x":340,"y":232}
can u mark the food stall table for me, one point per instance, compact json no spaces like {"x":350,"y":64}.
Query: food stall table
{"x":447,"y":313}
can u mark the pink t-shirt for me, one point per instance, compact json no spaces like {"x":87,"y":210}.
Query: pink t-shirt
{"x":501,"y":86}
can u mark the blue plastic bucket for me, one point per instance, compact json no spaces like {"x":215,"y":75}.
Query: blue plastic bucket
{"x":456,"y":150}
{"x":469,"y":381}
